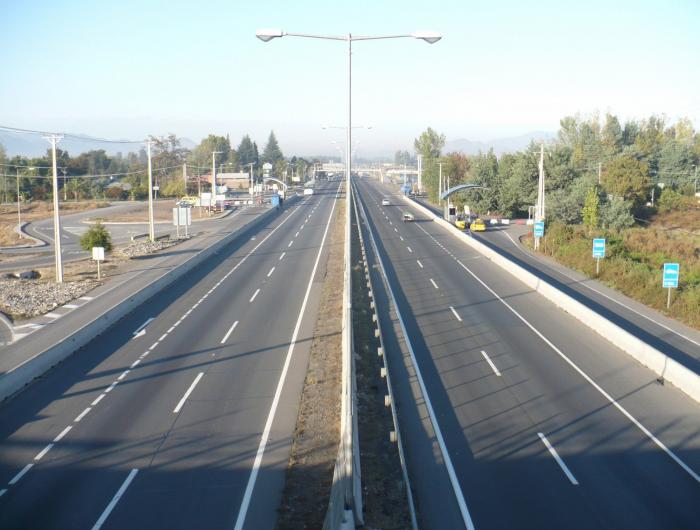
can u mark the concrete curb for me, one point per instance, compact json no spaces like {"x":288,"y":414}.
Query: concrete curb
{"x":669,"y":369}
{"x":37,"y":242}
{"x":14,"y":380}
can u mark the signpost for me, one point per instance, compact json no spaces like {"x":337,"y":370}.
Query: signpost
{"x":182,"y":216}
{"x":598,"y":253}
{"x":672,"y":273}
{"x":539,"y":233}
{"x":98,"y":254}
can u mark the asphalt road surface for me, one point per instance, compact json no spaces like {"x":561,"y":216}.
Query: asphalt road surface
{"x":543,"y":423}
{"x":181,"y":415}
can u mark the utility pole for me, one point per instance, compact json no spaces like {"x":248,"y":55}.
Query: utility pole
{"x":19,"y":210}
{"x":252,"y":182}
{"x":184,"y":175}
{"x":440,"y":190}
{"x":539,"y":210}
{"x":151,"y":228}
{"x":213,"y":178}
{"x":420,"y":173}
{"x":600,"y":171}
{"x":54,"y":138}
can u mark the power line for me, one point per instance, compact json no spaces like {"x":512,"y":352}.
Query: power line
{"x":70,"y":135}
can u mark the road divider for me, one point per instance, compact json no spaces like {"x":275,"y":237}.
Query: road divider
{"x":656,"y":360}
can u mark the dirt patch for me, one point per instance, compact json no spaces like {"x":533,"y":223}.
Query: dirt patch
{"x":317,"y":434}
{"x":384,"y":496}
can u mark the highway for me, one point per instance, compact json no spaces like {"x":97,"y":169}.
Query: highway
{"x":665,"y":334}
{"x":181,"y":415}
{"x":537,"y":421}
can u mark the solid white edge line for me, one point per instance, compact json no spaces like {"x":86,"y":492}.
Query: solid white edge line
{"x":561,"y":463}
{"x":189,"y":391}
{"x":488,"y":360}
{"x":230,"y":330}
{"x":254,"y":295}
{"x":454,"y":312}
{"x":19,"y":475}
{"x":456,"y":488}
{"x":115,"y":500}
{"x":583,"y":374}
{"x":243,"y":510}
{"x":583,"y":284}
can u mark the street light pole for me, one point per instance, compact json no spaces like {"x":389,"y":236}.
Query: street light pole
{"x":151,"y":228}
{"x":19,"y":210}
{"x":213,"y":178}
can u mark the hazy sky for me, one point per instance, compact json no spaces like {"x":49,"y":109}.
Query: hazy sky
{"x":134,"y":67}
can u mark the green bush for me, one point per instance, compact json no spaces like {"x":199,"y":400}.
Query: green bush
{"x":96,"y":236}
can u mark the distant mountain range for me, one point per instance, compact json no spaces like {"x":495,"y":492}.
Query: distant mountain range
{"x":33,"y":145}
{"x":500,"y":145}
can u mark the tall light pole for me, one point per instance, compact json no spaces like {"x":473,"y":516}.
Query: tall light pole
{"x":266,"y":36}
{"x":420,"y":173}
{"x":151,"y":228}
{"x":53,"y":139}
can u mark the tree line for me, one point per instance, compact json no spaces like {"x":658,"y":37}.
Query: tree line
{"x":98,"y":175}
{"x":608,"y":172}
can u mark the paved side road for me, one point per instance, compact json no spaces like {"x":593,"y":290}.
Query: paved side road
{"x":188,"y":424}
{"x":544,"y":423}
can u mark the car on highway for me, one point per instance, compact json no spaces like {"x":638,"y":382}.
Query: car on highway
{"x":386,"y":202}
{"x":461,"y":223}
{"x":478,"y":225}
{"x":408,"y":217}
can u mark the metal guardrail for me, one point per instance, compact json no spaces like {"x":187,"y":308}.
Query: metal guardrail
{"x":389,"y":399}
{"x":345,"y":504}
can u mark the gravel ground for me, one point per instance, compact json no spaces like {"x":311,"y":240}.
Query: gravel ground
{"x":30,"y":298}
{"x":141,"y":248}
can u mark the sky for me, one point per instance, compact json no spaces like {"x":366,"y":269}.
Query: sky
{"x":129,"y":68}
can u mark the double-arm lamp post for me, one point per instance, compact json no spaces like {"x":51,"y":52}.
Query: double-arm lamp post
{"x":267,"y":35}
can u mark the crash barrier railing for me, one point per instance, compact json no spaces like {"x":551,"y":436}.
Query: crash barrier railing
{"x":345,"y":504}
{"x":389,"y":400}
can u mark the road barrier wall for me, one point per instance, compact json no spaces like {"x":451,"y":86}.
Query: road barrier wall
{"x":14,"y":380}
{"x":669,"y":369}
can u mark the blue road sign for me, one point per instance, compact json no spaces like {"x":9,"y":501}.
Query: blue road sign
{"x":599,"y":248}
{"x":539,"y":229}
{"x":672,"y":272}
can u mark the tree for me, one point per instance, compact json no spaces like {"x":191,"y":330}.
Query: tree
{"x":590,"y":209}
{"x":272,"y":152}
{"x":626,"y":177}
{"x":96,"y":236}
{"x":429,"y":144}
{"x":201,"y":155}
{"x":246,"y":152}
{"x":616,"y":214}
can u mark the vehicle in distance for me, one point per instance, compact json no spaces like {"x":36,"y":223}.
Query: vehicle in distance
{"x":478,"y":226}
{"x":385,"y":202}
{"x":308,"y":191}
{"x":188,"y":199}
{"x":461,"y":223}
{"x":408,"y":217}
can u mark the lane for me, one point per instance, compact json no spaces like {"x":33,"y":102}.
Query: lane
{"x":194,"y":461}
{"x":666,"y":334}
{"x":492,"y":422}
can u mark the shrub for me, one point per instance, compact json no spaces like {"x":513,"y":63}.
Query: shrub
{"x":96,"y":236}
{"x":616,"y":214}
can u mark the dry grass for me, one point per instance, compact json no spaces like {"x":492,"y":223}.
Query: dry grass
{"x":634,"y":262}
{"x":317,"y":434}
{"x":162,"y":211}
{"x":34,"y":211}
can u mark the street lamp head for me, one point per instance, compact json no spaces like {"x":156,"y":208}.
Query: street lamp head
{"x":431,"y":37}
{"x":266,"y":35}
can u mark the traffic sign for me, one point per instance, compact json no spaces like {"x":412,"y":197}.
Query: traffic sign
{"x":599,"y":248}
{"x":539,"y":229}
{"x":672,"y":272}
